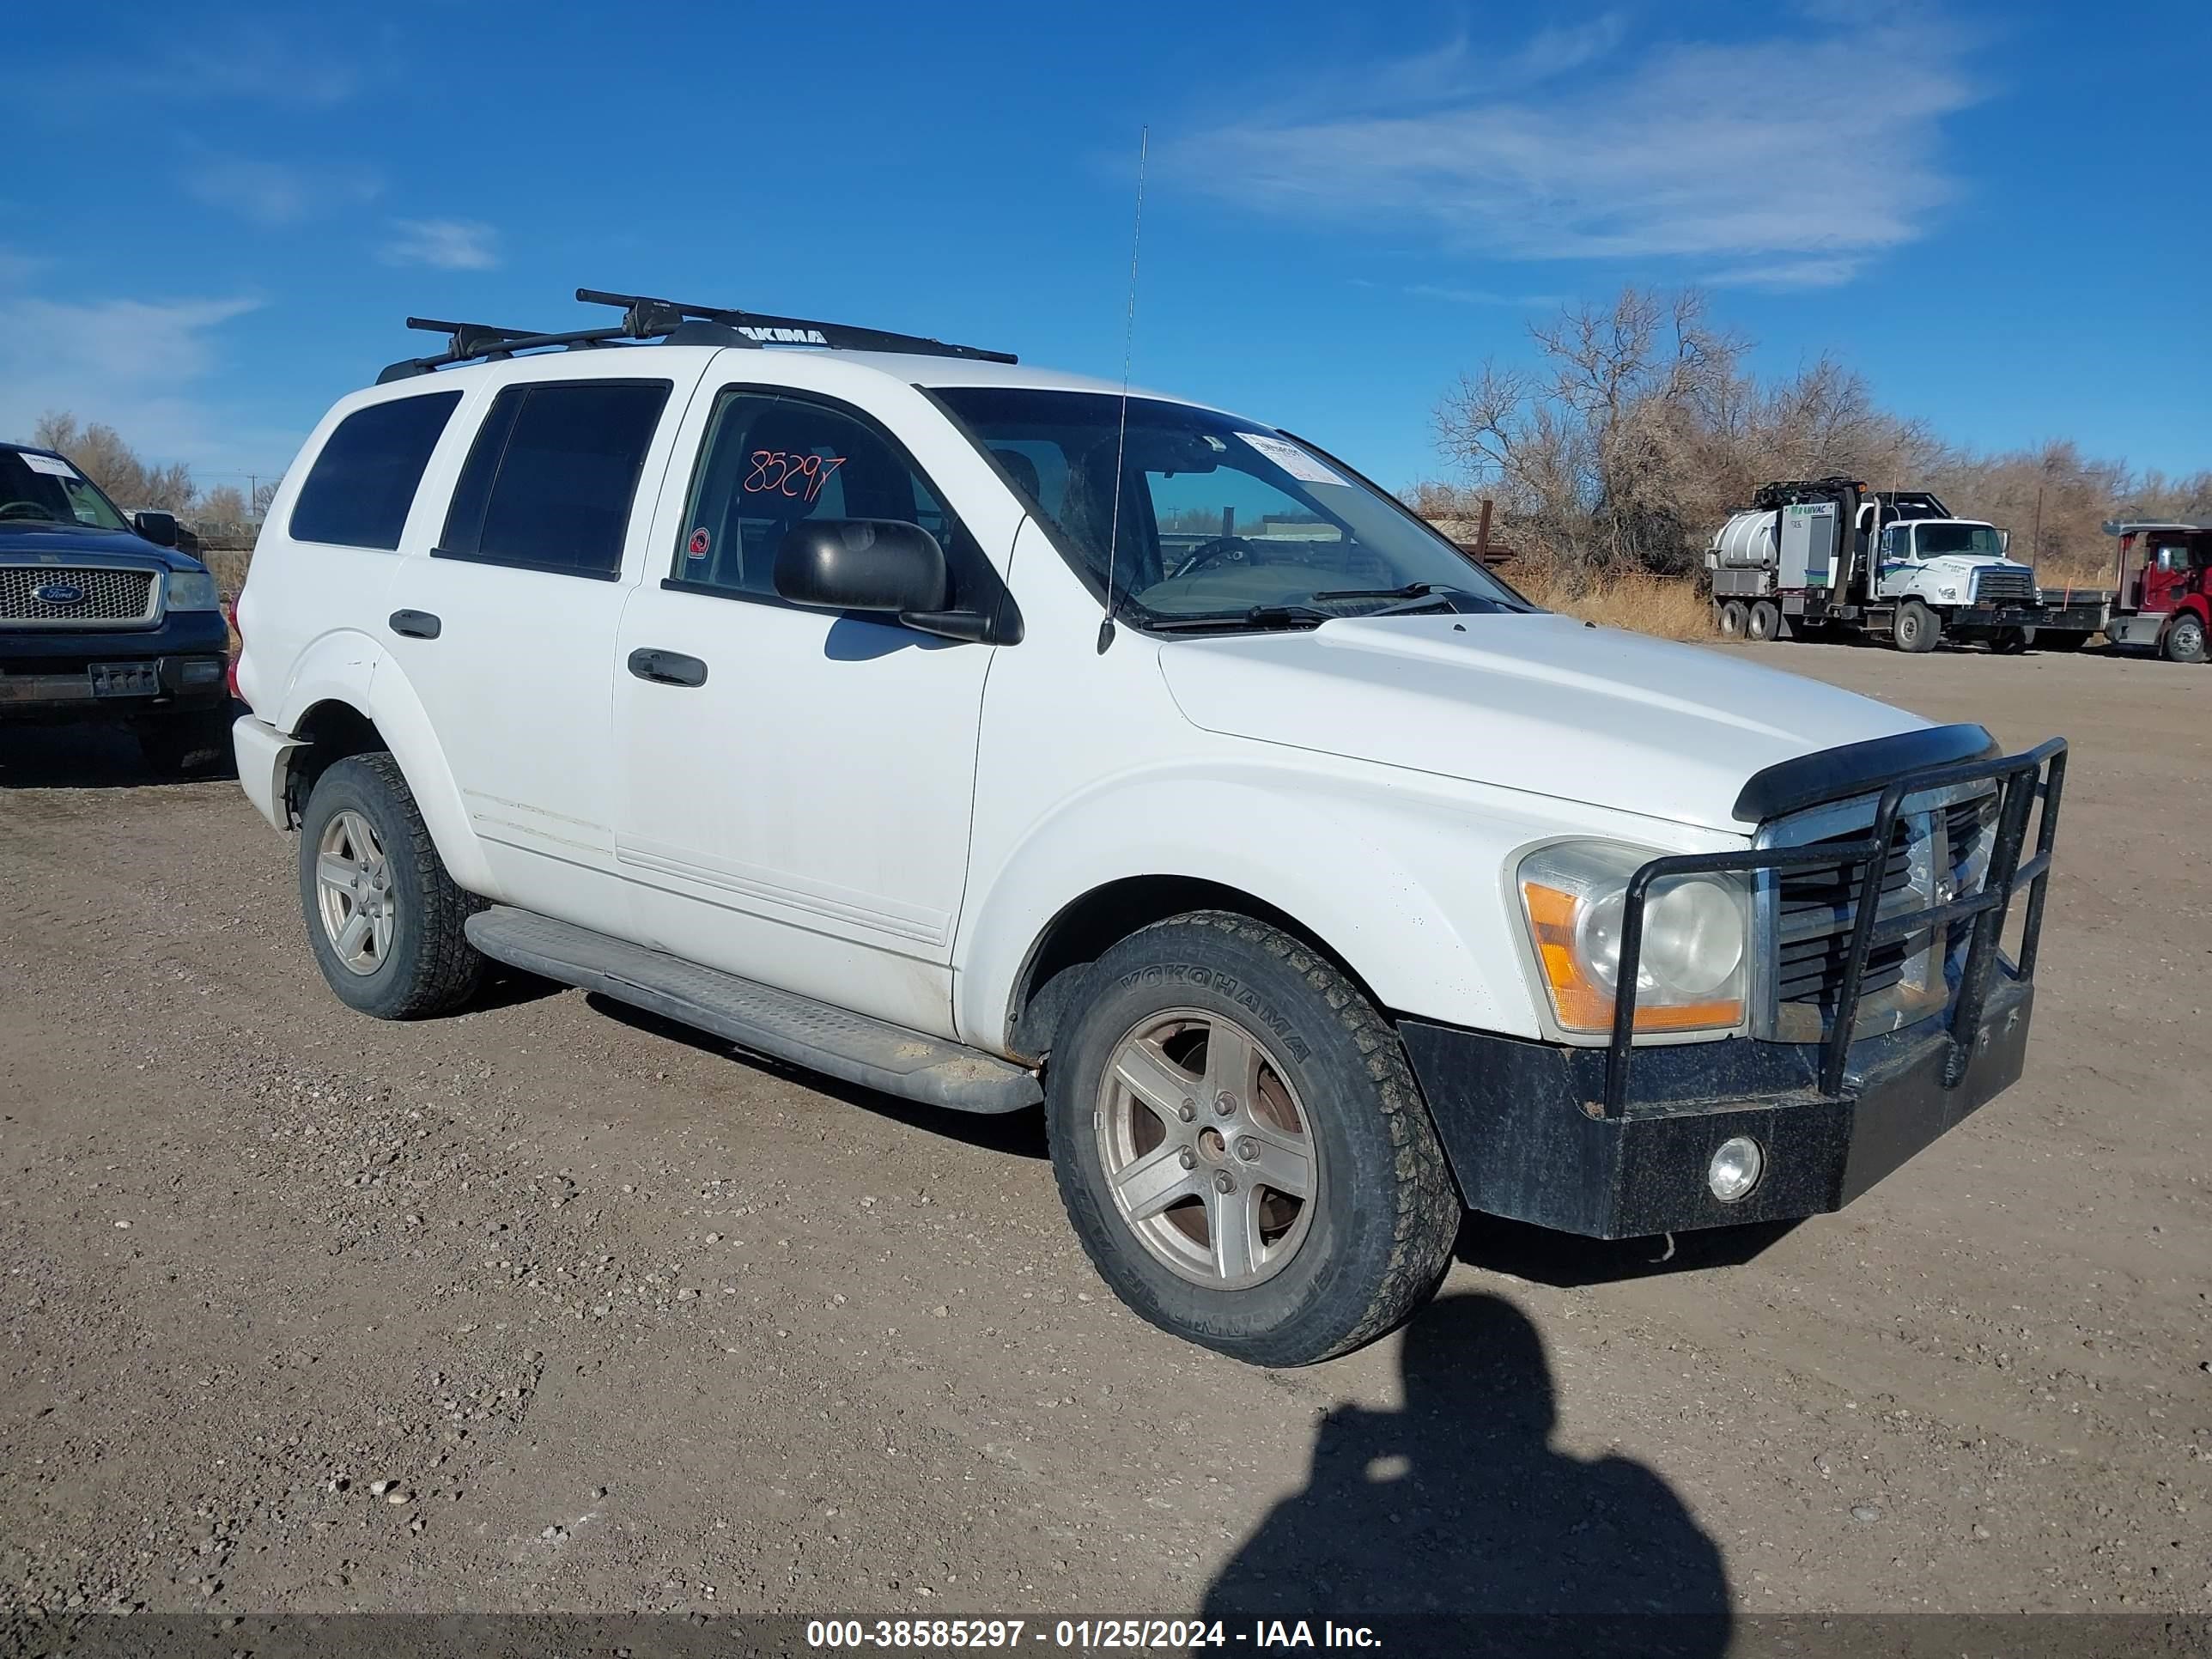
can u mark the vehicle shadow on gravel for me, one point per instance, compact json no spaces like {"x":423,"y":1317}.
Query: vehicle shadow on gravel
{"x":95,"y":757}
{"x":1018,"y":1134}
{"x":1457,"y":1503}
{"x":1566,"y":1261}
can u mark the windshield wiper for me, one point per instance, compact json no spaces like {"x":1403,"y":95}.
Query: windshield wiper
{"x":1312,"y":611}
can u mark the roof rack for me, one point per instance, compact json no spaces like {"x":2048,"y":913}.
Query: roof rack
{"x":645,"y":319}
{"x":762,"y":329}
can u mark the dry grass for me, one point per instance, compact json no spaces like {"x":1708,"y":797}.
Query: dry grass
{"x":1673,"y":610}
{"x":227,"y":566}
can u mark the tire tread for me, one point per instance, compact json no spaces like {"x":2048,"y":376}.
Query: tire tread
{"x":1426,"y":1223}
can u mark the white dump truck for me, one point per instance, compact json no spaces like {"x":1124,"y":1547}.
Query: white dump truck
{"x":1819,"y":554}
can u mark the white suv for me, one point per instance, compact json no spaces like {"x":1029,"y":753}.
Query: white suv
{"x":781,"y":691}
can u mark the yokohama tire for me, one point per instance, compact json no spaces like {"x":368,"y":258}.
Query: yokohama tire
{"x":362,"y":813}
{"x":1376,"y":1235}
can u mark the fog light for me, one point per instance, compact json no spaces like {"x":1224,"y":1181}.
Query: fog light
{"x":1736,"y":1168}
{"x":202,"y":670}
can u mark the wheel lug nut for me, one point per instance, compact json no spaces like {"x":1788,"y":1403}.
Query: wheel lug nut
{"x":1248,"y":1149}
{"x":1224,"y":1103}
{"x":1188,"y":1111}
{"x":1188,"y":1158}
{"x":1223,"y":1182}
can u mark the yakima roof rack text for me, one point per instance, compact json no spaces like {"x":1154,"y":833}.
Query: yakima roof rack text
{"x":673,"y":323}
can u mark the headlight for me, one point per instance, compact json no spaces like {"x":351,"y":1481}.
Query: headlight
{"x":1690,"y":970}
{"x":192,"y":590}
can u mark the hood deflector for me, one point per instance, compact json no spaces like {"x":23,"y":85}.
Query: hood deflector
{"x":1856,"y":768}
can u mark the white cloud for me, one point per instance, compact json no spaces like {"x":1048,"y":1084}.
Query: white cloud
{"x":278,"y":193}
{"x":135,"y":365}
{"x":447,"y":244}
{"x":1773,"y":157}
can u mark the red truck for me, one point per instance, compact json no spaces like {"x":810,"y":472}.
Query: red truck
{"x":2165,"y":596}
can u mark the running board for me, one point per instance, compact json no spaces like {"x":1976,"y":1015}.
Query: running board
{"x":815,"y":1034}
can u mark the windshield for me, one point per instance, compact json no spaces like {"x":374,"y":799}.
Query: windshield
{"x":45,"y":489}
{"x":1219,"y":521}
{"x":1936,"y":539}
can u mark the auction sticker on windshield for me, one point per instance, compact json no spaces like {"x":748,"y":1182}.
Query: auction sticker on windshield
{"x":1291,"y":458}
{"x":52,"y":464}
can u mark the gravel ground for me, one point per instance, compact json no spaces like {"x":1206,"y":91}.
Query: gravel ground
{"x":550,"y":1306}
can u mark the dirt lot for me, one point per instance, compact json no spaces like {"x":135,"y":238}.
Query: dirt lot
{"x":629,"y":1323}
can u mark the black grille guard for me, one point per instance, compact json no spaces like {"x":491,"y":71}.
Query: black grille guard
{"x":2038,"y":773}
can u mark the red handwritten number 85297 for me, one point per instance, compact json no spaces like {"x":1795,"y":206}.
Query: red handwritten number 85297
{"x":798,"y":477}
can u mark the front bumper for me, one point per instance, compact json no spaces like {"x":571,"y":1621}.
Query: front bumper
{"x":1519,"y":1126}
{"x":1615,"y":1142}
{"x":1990,"y":617}
{"x":62,"y":674}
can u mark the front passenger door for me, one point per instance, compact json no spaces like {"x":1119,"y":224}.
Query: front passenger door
{"x":795,"y":786}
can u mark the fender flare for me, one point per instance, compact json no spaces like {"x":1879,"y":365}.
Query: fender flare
{"x":1344,"y":883}
{"x":351,"y":668}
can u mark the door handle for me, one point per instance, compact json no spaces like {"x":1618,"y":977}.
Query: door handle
{"x":416,"y":624}
{"x":667,"y":668}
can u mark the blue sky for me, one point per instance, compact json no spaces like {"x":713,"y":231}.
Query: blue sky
{"x":213,"y":218}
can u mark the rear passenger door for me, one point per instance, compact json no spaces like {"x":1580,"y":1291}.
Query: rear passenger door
{"x":505,"y":627}
{"x":795,"y":785}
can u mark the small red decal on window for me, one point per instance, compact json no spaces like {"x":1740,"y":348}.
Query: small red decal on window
{"x":700,"y":543}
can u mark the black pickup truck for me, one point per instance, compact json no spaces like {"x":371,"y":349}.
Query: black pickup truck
{"x":102,"y":619}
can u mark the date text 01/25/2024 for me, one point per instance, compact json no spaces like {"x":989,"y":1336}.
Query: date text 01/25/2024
{"x":1083,"y":1634}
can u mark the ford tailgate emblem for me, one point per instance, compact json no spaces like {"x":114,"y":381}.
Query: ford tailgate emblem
{"x":58,"y":593}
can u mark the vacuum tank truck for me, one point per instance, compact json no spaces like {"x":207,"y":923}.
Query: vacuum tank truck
{"x":1818,"y":554}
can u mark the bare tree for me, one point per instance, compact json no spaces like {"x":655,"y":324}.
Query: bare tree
{"x":98,"y":451}
{"x":1636,"y":432}
{"x":224,"y":504}
{"x":1588,"y":449}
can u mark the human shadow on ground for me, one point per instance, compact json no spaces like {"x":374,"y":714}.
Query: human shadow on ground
{"x":1458,"y":1505}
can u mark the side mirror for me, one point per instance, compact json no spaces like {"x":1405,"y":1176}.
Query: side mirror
{"x":2004,"y":541}
{"x":159,"y":528}
{"x":861,"y":564}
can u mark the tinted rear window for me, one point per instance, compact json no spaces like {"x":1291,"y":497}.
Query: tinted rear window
{"x":364,"y":481}
{"x":548,"y":481}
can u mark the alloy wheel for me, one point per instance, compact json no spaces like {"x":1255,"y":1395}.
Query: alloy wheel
{"x":1208,"y":1150}
{"x":353,"y":893}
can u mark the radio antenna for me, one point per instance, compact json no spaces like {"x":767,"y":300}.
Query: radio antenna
{"x":1122,"y":437}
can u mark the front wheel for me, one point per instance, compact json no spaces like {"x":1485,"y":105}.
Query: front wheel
{"x":384,"y":917}
{"x":2185,"y":640}
{"x":1916,"y":628}
{"x":1241,"y":1145}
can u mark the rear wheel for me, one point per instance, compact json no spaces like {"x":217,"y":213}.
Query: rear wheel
{"x":1242,"y":1148}
{"x":1734,"y":617}
{"x":1917,"y":629}
{"x":2185,"y":640}
{"x":1765,"y":621}
{"x":383,"y":918}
